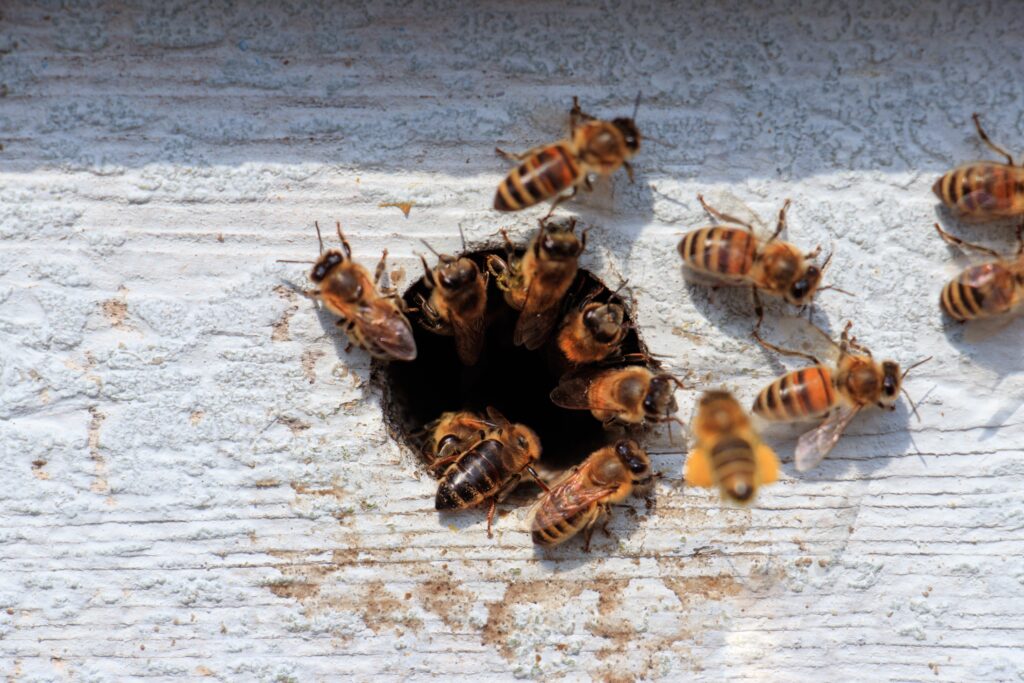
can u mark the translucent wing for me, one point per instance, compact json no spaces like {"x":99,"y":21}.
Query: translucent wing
{"x":469,"y":338}
{"x":977,"y":201}
{"x":727,"y":203}
{"x":384,"y":331}
{"x":540,"y":312}
{"x":567,"y":500}
{"x":814,"y":445}
{"x":573,"y":392}
{"x":983,"y":274}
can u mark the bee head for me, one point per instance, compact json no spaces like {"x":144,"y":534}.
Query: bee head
{"x":457,"y":273}
{"x":630,"y":133}
{"x":633,"y":458}
{"x":718,"y":411}
{"x":559,"y":242}
{"x":660,"y":400}
{"x":524,"y":439}
{"x":604,"y":321}
{"x":327,"y":262}
{"x":803,"y":289}
{"x":891,"y":381}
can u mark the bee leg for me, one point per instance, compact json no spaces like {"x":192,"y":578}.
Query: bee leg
{"x":781,"y":225}
{"x":964,"y":244}
{"x":509,"y":155}
{"x":341,"y":236}
{"x":559,"y":200}
{"x":381,"y":265}
{"x":490,"y":516}
{"x":587,"y":185}
{"x":441,"y":463}
{"x":991,"y":145}
{"x":1020,"y":237}
{"x":577,"y":115}
{"x":607,"y":520}
{"x":536,"y":478}
{"x":724,"y":217}
{"x":587,"y":534}
{"x":629,"y":171}
{"x":783,"y":351}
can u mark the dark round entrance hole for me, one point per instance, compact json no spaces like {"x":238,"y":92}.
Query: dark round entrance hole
{"x":510,"y":378}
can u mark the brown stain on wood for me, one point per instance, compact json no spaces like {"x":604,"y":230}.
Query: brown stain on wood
{"x":99,"y":484}
{"x":279,"y":329}
{"x":116,"y":310}
{"x":308,"y":363}
{"x":307,"y":490}
{"x":446,"y":599}
{"x":690,"y":588}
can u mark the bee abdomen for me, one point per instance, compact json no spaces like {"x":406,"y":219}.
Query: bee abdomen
{"x":734,"y":465}
{"x":551,"y":526}
{"x":797,"y":395}
{"x":474,"y":477}
{"x":542,"y":175}
{"x":959,"y":302}
{"x":719,"y":251}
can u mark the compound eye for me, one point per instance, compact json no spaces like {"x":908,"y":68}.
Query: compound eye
{"x":521,"y":440}
{"x":622,"y":449}
{"x":637,"y":466}
{"x":800,"y":289}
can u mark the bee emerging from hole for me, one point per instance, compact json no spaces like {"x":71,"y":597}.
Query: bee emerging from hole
{"x":633,"y":395}
{"x":984,"y":190}
{"x":373,"y":321}
{"x":987,"y":289}
{"x":735,"y":255}
{"x":579,"y":499}
{"x":457,"y":303}
{"x":729,"y":453}
{"x":593,"y":330}
{"x":836,"y":393}
{"x":450,"y":435}
{"x":558,"y":170}
{"x":489,"y":469}
{"x":536,"y":283}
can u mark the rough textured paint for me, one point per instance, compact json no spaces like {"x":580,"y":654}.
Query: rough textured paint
{"x":197,"y":481}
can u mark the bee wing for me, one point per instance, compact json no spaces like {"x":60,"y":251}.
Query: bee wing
{"x":728,"y":203}
{"x":814,"y":445}
{"x":469,"y":338}
{"x":570,"y":498}
{"x":572,"y":393}
{"x":538,"y":317}
{"x":386,"y":331}
{"x":977,"y":201}
{"x":979,"y":275}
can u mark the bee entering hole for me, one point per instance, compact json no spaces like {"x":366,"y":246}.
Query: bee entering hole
{"x":510,"y":379}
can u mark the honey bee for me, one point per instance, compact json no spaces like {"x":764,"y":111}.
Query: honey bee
{"x":987,"y":289}
{"x":489,"y":469}
{"x":984,"y":190}
{"x":729,"y":453}
{"x":592,"y":331}
{"x":632,"y":394}
{"x":734,"y":255}
{"x":457,"y":303}
{"x":536,"y":283}
{"x":373,"y":321}
{"x":559,"y":169}
{"x":451,"y":434}
{"x":836,"y":393}
{"x":584,"y":494}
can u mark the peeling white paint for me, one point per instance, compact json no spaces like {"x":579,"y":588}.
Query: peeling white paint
{"x":198,"y":482}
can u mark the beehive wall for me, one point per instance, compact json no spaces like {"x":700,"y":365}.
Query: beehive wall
{"x":197,"y":481}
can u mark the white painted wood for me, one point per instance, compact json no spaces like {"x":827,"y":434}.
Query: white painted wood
{"x":198,"y":482}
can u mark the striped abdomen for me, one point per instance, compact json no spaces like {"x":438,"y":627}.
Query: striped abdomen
{"x":476,"y":476}
{"x":798,"y":395}
{"x":979,"y":292}
{"x":725,"y":252}
{"x":732,"y":460}
{"x":543,"y":175}
{"x":560,"y":516}
{"x":983,"y":190}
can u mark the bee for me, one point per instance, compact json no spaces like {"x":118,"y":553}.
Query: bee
{"x":729,"y":453}
{"x":987,"y":289}
{"x":835,"y":393}
{"x":373,"y":321}
{"x":632,"y":394}
{"x":592,"y":331}
{"x":734,"y":255}
{"x":584,"y":494}
{"x":559,"y":169}
{"x":489,"y":469}
{"x":536,"y":283}
{"x":984,"y":190}
{"x":457,"y":303}
{"x":451,"y":434}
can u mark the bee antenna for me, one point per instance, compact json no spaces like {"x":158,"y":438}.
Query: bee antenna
{"x":619,"y":288}
{"x":920,"y":362}
{"x":319,"y":236}
{"x":636,"y":105}
{"x":283,"y":260}
{"x":648,"y":138}
{"x":837,"y":289}
{"x":911,"y":402}
{"x":462,"y":236}
{"x":427,"y":245}
{"x":828,"y":260}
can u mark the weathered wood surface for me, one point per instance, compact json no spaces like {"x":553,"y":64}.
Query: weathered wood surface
{"x":198,"y":481}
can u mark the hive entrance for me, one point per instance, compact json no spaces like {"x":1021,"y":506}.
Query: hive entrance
{"x":515,"y":381}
